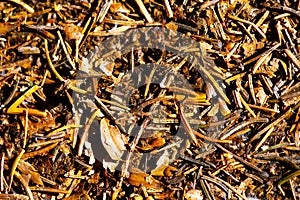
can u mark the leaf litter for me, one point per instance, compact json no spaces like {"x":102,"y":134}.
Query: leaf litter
{"x":255,"y":49}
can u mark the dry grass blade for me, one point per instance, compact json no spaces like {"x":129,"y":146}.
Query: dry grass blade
{"x":14,"y":167}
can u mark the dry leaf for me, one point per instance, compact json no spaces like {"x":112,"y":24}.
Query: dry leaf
{"x":249,"y":48}
{"x":28,"y":169}
{"x":112,"y":139}
{"x":29,"y":50}
{"x":138,"y":178}
{"x":214,"y":110}
{"x":118,"y":8}
{"x":261,"y":95}
{"x":159,"y":171}
{"x":72,"y":32}
{"x":193,"y":195}
{"x":172,"y":26}
{"x":4,"y":28}
{"x":110,"y":165}
{"x":223,"y":107}
{"x":152,"y":143}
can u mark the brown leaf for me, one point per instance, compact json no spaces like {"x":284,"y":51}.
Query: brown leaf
{"x":138,"y":178}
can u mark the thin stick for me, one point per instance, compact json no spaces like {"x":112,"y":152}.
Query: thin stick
{"x":261,"y":58}
{"x":259,"y":62}
{"x":25,"y":6}
{"x":168,"y":8}
{"x":186,"y":91}
{"x":64,"y":128}
{"x":209,"y":138}
{"x":274,"y":123}
{"x":39,"y":152}
{"x":242,"y":160}
{"x":45,"y":143}
{"x":93,"y":19}
{"x":65,"y":50}
{"x":144,"y":11}
{"x":248,"y":22}
{"x":22,"y":98}
{"x":186,"y":124}
{"x":250,"y":81}
{"x":216,"y":85}
{"x":149,"y":81}
{"x":263,"y":108}
{"x":26,"y":128}
{"x":1,"y":172}
{"x":229,"y":186}
{"x":246,"y":105}
{"x":116,"y":104}
{"x":242,"y":125}
{"x":293,"y":58}
{"x":14,"y":110}
{"x":123,"y":22}
{"x":49,"y":190}
{"x":264,"y":138}
{"x":12,"y":94}
{"x":288,"y":177}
